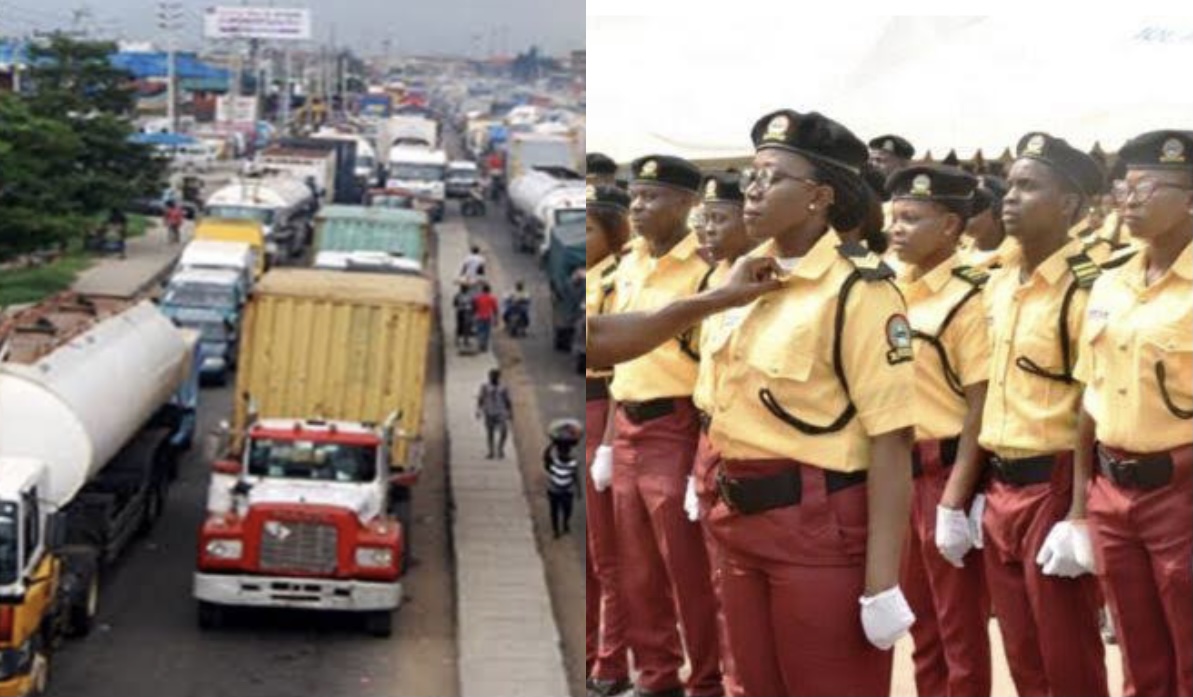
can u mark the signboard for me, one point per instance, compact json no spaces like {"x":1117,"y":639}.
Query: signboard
{"x":233,"y":109}
{"x":274,"y":23}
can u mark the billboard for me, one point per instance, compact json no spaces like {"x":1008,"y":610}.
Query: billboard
{"x":257,"y":23}
{"x":232,"y":109}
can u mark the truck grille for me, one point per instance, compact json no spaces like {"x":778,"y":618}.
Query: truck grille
{"x":296,"y":546}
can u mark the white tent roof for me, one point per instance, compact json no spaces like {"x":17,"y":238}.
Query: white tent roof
{"x":693,"y":87}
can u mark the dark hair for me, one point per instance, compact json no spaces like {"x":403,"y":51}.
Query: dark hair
{"x":614,"y":224}
{"x":850,"y":204}
{"x":871,"y":230}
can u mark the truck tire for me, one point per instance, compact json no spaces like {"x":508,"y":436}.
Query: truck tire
{"x":380,"y":623}
{"x":83,"y":603}
{"x":155,"y":502}
{"x":211,"y":616}
{"x":403,"y":509}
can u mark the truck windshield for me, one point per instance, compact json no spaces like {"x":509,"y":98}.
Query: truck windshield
{"x":200,"y":295}
{"x":10,"y":564}
{"x":212,"y":331}
{"x":263,"y":215}
{"x":312,"y":460}
{"x":414,"y":172}
{"x":570,"y":216}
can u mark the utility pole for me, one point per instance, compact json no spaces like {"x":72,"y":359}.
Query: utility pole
{"x":169,"y":20}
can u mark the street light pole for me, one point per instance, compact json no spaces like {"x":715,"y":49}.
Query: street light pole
{"x":169,"y":17}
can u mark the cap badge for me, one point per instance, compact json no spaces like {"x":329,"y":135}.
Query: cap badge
{"x":1035,"y":145}
{"x":777,"y":128}
{"x":888,"y":145}
{"x":650,"y":170}
{"x":590,"y":193}
{"x":710,"y":191}
{"x":1173,"y":152}
{"x":921,"y":185}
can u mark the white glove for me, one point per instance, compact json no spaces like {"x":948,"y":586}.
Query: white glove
{"x":691,"y":504}
{"x":953,"y":535}
{"x":602,"y":467}
{"x":886,"y":617}
{"x":1059,"y":556}
{"x":976,"y":511}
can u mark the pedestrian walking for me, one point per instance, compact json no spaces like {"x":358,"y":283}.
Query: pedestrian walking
{"x":174,"y":218}
{"x":494,"y":406}
{"x":485,"y":312}
{"x":561,"y":465}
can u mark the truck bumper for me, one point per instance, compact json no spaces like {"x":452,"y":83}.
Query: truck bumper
{"x":294,"y":592}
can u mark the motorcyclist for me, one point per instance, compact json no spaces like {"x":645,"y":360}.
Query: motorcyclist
{"x":517,"y":309}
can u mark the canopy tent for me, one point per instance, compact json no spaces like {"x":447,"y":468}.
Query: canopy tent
{"x":693,"y":87}
{"x":163,"y":139}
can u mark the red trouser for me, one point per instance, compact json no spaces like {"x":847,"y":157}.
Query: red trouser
{"x":1049,"y":624}
{"x":664,"y":572}
{"x":1144,"y":545}
{"x":704,"y":472}
{"x":791,"y":580}
{"x":605,"y":645}
{"x":952,"y":608}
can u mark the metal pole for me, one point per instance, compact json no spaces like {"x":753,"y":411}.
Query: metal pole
{"x":285,"y":93}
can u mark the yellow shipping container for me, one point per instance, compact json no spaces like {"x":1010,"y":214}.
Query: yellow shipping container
{"x":337,"y":346}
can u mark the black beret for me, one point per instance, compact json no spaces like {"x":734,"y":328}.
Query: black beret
{"x":722,"y":187}
{"x":667,"y":170}
{"x":951,"y":187}
{"x":1076,"y":167}
{"x":989,"y":194}
{"x":900,"y":147}
{"x":812,"y":135}
{"x":1159,"y":150}
{"x":607,"y":197}
{"x":600,"y":164}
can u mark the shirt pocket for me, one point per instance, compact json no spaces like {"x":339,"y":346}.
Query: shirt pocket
{"x":1172,"y":348}
{"x":780,"y":380}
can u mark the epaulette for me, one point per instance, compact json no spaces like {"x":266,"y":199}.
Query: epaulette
{"x":868,"y":264}
{"x":1119,"y":257}
{"x":1084,"y":270}
{"x":610,"y":269}
{"x":972,"y":275}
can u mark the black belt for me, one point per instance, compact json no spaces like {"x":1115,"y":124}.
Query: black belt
{"x":642,"y":412}
{"x":596,"y":388}
{"x":705,"y":421}
{"x":1143,"y":472}
{"x":761,"y":494}
{"x":1024,"y":472}
{"x":948,"y":456}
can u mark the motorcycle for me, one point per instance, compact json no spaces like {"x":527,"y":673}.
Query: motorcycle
{"x":517,"y":317}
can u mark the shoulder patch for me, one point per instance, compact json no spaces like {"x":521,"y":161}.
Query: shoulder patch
{"x":1119,"y":257}
{"x":1084,"y":270}
{"x":868,"y":264}
{"x":898,"y":339}
{"x":972,"y":275}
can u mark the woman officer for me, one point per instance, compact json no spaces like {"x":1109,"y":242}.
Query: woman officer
{"x":1137,"y":365}
{"x":944,"y":584}
{"x":607,"y":230}
{"x":812,"y":429}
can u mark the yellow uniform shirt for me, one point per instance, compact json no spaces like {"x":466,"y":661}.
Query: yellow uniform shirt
{"x":783,"y":343}
{"x":1027,"y":414}
{"x":939,"y":411}
{"x":598,"y":292}
{"x":702,"y":395}
{"x":1005,"y":253}
{"x":645,"y":284}
{"x":1129,"y":328}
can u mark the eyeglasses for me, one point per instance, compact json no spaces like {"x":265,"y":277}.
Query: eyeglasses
{"x":1143,"y":190}
{"x":766,"y":178}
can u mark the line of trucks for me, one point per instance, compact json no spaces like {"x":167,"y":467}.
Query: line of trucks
{"x":310,"y":497}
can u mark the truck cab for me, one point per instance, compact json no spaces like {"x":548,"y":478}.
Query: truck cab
{"x":208,"y":301}
{"x":303,"y":519}
{"x":564,"y":256}
{"x":420,"y":171}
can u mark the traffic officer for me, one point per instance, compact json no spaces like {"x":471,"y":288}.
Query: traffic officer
{"x":664,"y":561}
{"x":986,"y":244}
{"x":1136,"y":360}
{"x":607,"y":230}
{"x":600,"y":170}
{"x":945,"y":585}
{"x":1036,"y":557}
{"x":811,"y":428}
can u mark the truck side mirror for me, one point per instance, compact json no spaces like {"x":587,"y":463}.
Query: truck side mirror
{"x":56,"y":528}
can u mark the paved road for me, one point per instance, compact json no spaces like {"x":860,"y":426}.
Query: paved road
{"x":147,"y":641}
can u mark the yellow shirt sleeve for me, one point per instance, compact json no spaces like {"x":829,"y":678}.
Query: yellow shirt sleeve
{"x":972,"y":342}
{"x":877,"y":359}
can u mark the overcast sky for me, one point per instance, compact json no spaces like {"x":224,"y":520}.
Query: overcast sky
{"x":414,"y":26}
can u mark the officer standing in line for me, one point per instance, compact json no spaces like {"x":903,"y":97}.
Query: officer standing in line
{"x":944,"y":583}
{"x":1037,"y":556}
{"x":1136,"y":360}
{"x":606,"y":660}
{"x":889,"y":154}
{"x":664,"y":563}
{"x":811,"y":429}
{"x":600,"y":170}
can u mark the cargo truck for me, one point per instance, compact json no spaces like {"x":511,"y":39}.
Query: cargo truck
{"x":343,"y":232}
{"x":309,"y":500}
{"x":97,"y":401}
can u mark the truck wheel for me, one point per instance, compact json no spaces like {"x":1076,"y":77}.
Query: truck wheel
{"x":403,"y":510}
{"x":380,"y":624}
{"x":155,"y":503}
{"x":211,"y":616}
{"x":84,"y":605}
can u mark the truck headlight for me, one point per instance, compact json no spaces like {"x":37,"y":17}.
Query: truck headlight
{"x":225,"y":549}
{"x":377,"y":557}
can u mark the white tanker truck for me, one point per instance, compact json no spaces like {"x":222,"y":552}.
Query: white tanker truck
{"x":97,"y":400}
